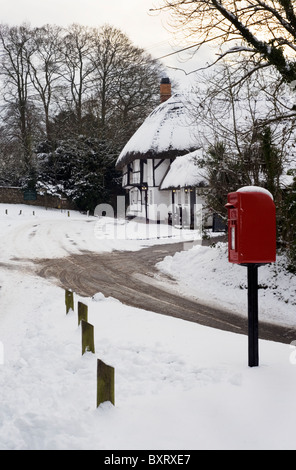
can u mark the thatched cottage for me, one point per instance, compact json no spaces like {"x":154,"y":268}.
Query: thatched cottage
{"x":159,"y":166}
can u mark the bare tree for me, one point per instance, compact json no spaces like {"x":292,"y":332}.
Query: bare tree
{"x":262,"y":28}
{"x":63,"y":84}
{"x":16,"y":52}
{"x":111,"y":48}
{"x":126,"y":78}
{"x":77,"y":50}
{"x":45,"y":69}
{"x":245,"y":130}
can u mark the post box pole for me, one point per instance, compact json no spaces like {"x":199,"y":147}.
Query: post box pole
{"x":253,"y":314}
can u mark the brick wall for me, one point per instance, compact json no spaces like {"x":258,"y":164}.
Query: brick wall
{"x":9,"y":195}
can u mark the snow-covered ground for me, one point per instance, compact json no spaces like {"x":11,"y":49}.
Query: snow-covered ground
{"x":178,"y":385}
{"x":206,"y":274}
{"x":28,"y":232}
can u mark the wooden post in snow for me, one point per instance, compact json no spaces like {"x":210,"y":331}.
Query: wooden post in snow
{"x":105,"y":383}
{"x":82,"y":312}
{"x":69,"y":300}
{"x":87,"y":335}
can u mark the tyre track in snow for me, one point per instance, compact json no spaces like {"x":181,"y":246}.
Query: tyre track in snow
{"x":132,"y":278}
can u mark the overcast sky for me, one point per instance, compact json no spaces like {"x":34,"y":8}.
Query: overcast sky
{"x":145,"y":29}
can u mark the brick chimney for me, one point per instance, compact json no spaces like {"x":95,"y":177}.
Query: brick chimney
{"x":165,"y":89}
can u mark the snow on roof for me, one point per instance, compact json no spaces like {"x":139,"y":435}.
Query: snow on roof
{"x":170,"y":130}
{"x":184,"y":172}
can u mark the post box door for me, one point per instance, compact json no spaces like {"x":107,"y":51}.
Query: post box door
{"x":257,"y":228}
{"x":251,"y":228}
{"x":233,"y":235}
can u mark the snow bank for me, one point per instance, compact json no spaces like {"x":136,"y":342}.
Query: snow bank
{"x":206,"y":274}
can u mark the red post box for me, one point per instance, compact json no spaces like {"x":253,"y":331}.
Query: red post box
{"x":251,"y":226}
{"x":251,"y":242}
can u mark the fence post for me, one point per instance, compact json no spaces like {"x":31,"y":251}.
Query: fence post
{"x":69,"y":300}
{"x":87,"y":335}
{"x":105,"y":383}
{"x":82,"y":312}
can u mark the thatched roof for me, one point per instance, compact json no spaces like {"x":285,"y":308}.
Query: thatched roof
{"x":170,"y":130}
{"x":185,"y":172}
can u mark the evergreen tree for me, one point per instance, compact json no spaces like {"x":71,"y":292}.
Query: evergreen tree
{"x":287,"y":225}
{"x":81,"y":169}
{"x":223,"y":176}
{"x":272,"y":161}
{"x":259,"y":163}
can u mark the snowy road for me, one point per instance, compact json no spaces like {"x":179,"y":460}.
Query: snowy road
{"x":82,"y":254}
{"x":132,"y":278}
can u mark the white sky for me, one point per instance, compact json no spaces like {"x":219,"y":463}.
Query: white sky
{"x":147,"y":30}
{"x":132,"y":16}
